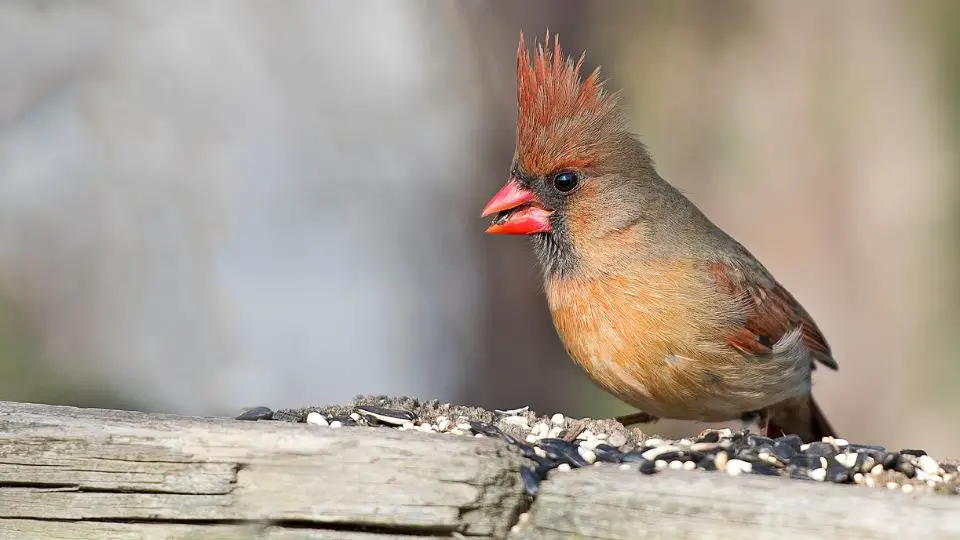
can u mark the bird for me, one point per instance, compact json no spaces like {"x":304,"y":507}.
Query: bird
{"x":657,"y":304}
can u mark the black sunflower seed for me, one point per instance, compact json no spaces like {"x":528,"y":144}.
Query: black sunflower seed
{"x":634,"y":456}
{"x":393,"y":417}
{"x":764,"y":469}
{"x":256,"y":413}
{"x":344,"y":420}
{"x":531,"y":478}
{"x":646,"y":466}
{"x":793,"y":441}
{"x":784,"y":451}
{"x":870,"y":447}
{"x":907,"y":468}
{"x":820,"y":449}
{"x":913,"y":452}
{"x":806,"y":462}
{"x":890,"y":461}
{"x":838,"y":474}
{"x":563,"y":451}
{"x":607,"y":454}
{"x":710,"y":437}
{"x":758,"y":441}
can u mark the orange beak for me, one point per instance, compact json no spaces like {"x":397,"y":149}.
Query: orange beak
{"x":518,"y":211}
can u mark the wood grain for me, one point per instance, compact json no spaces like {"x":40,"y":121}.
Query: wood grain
{"x":62,"y":463}
{"x":606,"y":503}
{"x":90,"y":473}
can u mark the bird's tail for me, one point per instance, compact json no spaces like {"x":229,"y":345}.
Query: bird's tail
{"x":801,"y":416}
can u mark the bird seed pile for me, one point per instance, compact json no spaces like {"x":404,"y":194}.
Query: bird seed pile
{"x":559,"y":443}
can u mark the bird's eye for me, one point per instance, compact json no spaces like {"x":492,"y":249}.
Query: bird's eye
{"x":565,"y":181}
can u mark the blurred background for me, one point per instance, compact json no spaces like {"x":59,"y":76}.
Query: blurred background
{"x":207,"y":206}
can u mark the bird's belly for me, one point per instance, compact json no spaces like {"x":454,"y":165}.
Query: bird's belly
{"x":665,"y":360}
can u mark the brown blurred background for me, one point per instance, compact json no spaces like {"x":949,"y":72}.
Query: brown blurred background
{"x":205,"y":206}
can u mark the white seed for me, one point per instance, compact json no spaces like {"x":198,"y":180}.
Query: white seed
{"x":443,"y":424}
{"x":803,"y":447}
{"x":720,"y":461}
{"x":515,"y":529}
{"x":624,"y":467}
{"x":563,"y":467}
{"x":652,"y":453}
{"x":736,"y":466}
{"x":704,"y":446}
{"x":463,"y":426}
{"x":587,"y":454}
{"x":585,"y":434}
{"x":767,"y":457}
{"x":517,"y":421}
{"x":479,"y":436}
{"x":531,"y":438}
{"x":660,"y":464}
{"x":557,"y":419}
{"x":846,"y":460}
{"x":676,"y":464}
{"x":858,"y":478}
{"x":877,"y":470}
{"x":336,"y":424}
{"x":317,"y":419}
{"x":654,"y":442}
{"x":840,"y":442}
{"x":523,"y":517}
{"x":456,"y":431}
{"x":689,"y":465}
{"x":590,"y":445}
{"x":540,"y":429}
{"x":554,"y":432}
{"x":892,"y":485}
{"x":539,"y":451}
{"x":407,"y":425}
{"x":617,"y":440}
{"x":602,"y":436}
{"x":928,"y":464}
{"x":818,"y":474}
{"x":425,"y":427}
{"x":685,"y":443}
{"x":355,"y":416}
{"x":907,"y":488}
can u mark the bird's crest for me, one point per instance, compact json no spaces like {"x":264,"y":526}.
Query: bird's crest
{"x":561,"y":120}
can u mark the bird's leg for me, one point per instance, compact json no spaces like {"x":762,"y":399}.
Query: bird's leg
{"x":760,"y":419}
{"x":638,"y":417}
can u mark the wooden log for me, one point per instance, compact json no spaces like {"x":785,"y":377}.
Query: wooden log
{"x":60,"y":466}
{"x":603,"y":503}
{"x":90,"y":473}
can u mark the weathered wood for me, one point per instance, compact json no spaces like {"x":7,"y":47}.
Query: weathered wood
{"x":88,"y":473}
{"x":62,"y":463}
{"x":27,"y":528}
{"x":604,"y":503}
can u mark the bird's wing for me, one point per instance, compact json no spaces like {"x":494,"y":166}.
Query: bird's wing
{"x":770,"y":312}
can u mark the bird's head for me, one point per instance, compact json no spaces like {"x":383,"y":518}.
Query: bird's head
{"x":575,"y":165}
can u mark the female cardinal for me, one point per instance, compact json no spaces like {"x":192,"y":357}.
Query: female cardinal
{"x":657,"y":304}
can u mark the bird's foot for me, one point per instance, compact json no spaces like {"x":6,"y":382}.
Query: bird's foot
{"x":638,"y":417}
{"x":758,"y":419}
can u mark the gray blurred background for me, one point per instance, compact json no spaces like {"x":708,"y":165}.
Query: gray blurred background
{"x":206,"y":206}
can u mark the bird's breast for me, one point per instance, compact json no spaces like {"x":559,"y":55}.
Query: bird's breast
{"x":652,"y":340}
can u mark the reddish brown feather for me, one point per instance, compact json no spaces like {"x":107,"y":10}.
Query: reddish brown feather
{"x":561,"y":120}
{"x":772,"y":312}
